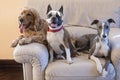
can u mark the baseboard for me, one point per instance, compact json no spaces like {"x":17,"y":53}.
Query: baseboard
{"x":6,"y":63}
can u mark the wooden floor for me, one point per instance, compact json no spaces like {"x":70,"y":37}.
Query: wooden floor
{"x":10,"y":71}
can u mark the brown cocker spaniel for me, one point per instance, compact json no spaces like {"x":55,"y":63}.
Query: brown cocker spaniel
{"x":32,"y":28}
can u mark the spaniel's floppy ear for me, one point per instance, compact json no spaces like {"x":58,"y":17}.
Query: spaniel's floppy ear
{"x":36,"y":19}
{"x":95,"y":22}
{"x":49,"y":8}
{"x":111,"y":20}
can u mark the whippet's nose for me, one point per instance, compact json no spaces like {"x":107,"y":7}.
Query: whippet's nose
{"x":21,"y":20}
{"x":104,"y":36}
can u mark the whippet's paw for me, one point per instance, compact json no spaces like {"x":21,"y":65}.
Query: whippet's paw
{"x":104,"y":73}
{"x":99,"y":68}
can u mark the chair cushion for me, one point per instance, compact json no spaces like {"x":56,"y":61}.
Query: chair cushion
{"x":82,"y":68}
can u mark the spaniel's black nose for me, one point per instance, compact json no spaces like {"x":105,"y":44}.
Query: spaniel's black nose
{"x":21,"y":20}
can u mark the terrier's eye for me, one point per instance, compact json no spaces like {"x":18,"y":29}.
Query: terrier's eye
{"x":49,"y":15}
{"x":57,"y":16}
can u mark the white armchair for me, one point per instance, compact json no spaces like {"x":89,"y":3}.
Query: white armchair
{"x":35,"y":57}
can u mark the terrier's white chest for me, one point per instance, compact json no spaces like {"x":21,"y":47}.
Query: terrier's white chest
{"x":55,"y":39}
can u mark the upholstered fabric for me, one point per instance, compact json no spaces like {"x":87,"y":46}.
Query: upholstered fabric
{"x":116,"y":54}
{"x":116,"y":17}
{"x":78,"y":31}
{"x":35,"y":54}
{"x":82,"y":68}
{"x":79,"y":12}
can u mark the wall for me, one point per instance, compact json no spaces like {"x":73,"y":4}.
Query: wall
{"x":9,"y":11}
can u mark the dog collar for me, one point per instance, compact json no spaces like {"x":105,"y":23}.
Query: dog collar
{"x":57,"y":30}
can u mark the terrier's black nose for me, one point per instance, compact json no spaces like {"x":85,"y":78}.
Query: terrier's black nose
{"x":21,"y":20}
{"x":104,"y":36}
{"x":54,"y":20}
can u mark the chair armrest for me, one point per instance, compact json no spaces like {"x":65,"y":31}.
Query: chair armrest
{"x":115,"y":56}
{"x":35,"y":54}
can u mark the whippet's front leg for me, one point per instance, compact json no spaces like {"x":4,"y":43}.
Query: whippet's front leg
{"x":105,"y":70}
{"x":95,"y":59}
{"x":98,"y":63}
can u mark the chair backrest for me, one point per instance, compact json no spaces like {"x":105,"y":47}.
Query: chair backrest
{"x":78,"y":12}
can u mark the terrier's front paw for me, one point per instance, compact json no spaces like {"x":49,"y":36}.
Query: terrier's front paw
{"x":69,"y":61}
{"x":99,"y":68}
{"x":104,"y":73}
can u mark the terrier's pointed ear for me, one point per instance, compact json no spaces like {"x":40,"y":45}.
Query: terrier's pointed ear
{"x":49,"y":8}
{"x":61,"y":9}
{"x":95,"y":22}
{"x":111,"y":20}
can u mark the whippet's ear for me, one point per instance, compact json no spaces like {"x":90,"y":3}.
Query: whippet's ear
{"x":49,"y":8}
{"x":95,"y":22}
{"x":111,"y":20}
{"x":61,"y":9}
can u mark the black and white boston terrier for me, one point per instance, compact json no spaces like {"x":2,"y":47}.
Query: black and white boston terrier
{"x":57,"y":35}
{"x":101,"y":46}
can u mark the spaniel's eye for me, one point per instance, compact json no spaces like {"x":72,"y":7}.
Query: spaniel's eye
{"x":22,"y":13}
{"x":28,"y":14}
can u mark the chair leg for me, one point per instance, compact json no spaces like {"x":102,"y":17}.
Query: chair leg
{"x":38,"y":73}
{"x":27,"y":71}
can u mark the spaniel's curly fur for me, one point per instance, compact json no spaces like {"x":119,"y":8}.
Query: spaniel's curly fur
{"x":32,"y":28}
